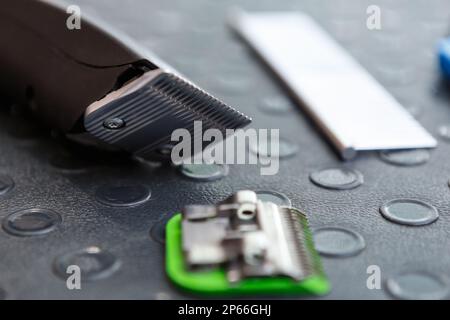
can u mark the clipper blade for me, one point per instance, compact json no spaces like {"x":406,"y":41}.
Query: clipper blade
{"x":243,"y":245}
{"x":249,"y":238}
{"x":141,"y":116}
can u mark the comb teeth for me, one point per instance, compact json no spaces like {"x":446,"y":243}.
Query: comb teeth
{"x":153,"y":111}
{"x":297,"y":240}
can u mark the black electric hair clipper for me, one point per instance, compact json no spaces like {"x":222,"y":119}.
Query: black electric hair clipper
{"x":95,"y":81}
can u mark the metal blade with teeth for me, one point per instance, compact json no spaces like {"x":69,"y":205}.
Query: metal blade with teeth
{"x":250,"y":238}
{"x":152,"y":107}
{"x":100,"y":87}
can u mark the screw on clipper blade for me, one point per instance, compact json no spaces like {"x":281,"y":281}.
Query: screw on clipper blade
{"x":243,"y":246}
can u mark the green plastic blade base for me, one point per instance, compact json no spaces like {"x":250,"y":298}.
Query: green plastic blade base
{"x":214,"y":282}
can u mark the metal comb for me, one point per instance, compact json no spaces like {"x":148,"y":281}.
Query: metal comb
{"x":98,"y":86}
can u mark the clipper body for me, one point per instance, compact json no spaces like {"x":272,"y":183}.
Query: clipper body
{"x":242,"y":246}
{"x":98,"y":81}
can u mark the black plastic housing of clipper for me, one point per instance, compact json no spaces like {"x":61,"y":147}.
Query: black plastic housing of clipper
{"x":62,"y":70}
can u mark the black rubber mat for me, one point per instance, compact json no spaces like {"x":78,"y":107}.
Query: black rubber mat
{"x":106,"y":212}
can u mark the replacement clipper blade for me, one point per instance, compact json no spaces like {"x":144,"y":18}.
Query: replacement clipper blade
{"x":95,"y":82}
{"x":243,"y":246}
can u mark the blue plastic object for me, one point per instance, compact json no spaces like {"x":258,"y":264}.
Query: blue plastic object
{"x":444,"y":57}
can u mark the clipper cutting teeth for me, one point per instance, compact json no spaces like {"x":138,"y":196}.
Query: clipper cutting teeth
{"x":151,"y":107}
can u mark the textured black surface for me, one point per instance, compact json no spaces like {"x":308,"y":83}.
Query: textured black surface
{"x":50,"y":173}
